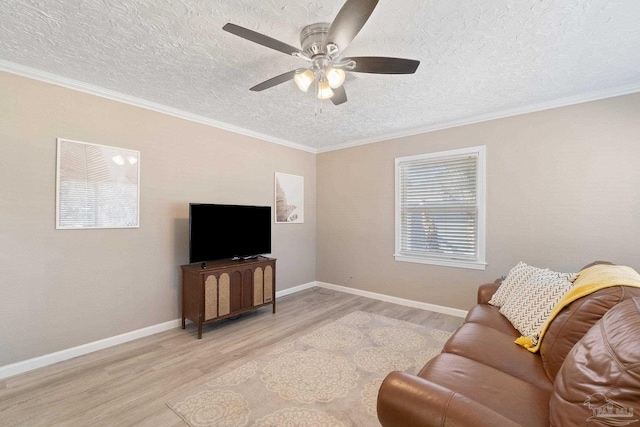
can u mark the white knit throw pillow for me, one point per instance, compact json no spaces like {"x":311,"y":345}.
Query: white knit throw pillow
{"x":518,"y":275}
{"x":530,"y":304}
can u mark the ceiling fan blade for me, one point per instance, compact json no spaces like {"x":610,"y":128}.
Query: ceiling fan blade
{"x":339,"y":96}
{"x":275,"y":81}
{"x":266,"y":41}
{"x":349,"y":21}
{"x":383,"y":65}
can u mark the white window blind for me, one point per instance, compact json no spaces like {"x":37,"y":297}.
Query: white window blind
{"x":440,"y":208}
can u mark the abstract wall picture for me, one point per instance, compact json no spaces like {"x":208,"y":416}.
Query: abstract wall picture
{"x":289,"y":198}
{"x":97,"y":186}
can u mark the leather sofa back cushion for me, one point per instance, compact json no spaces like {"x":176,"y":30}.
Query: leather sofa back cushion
{"x":570,"y":325}
{"x":600,"y":379}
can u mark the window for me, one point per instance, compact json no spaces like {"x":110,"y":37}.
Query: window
{"x":440,"y":208}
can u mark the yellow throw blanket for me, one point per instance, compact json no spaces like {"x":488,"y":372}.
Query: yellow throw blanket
{"x":589,"y":280}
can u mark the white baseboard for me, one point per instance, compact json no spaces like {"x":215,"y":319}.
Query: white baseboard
{"x":59,"y":356}
{"x":49,"y":359}
{"x":295,"y":289}
{"x":395,"y":300}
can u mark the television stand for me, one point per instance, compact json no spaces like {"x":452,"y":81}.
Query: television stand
{"x":216,"y":290}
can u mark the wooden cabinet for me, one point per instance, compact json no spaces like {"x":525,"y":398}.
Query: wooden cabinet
{"x":216,"y":290}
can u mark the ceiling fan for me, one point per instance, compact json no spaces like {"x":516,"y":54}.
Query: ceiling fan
{"x":322,"y":46}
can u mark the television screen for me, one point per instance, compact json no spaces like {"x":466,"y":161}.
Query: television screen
{"x":228,"y":231}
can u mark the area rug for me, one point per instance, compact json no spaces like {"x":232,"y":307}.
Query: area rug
{"x":329,"y":377}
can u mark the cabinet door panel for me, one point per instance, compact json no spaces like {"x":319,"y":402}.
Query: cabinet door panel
{"x":268,"y":284}
{"x":236,"y":291}
{"x":247,"y":289}
{"x":258,"y":280}
{"x":224,"y":306}
{"x":210,"y":297}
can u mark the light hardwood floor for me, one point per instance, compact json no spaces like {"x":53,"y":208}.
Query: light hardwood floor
{"x":129,"y":384}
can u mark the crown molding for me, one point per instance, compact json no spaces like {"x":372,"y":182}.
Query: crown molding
{"x":57,"y":80}
{"x":562,"y":102}
{"x":43,"y":76}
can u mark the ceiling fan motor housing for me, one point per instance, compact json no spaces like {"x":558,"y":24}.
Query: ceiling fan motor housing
{"x":312,"y":38}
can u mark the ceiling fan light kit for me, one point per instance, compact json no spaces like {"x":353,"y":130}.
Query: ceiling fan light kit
{"x":324,"y":90}
{"x":303,"y":79}
{"x":322,"y":46}
{"x":335,"y":76}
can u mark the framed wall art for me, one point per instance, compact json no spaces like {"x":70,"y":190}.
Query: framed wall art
{"x":97,"y":186}
{"x":289,"y":198}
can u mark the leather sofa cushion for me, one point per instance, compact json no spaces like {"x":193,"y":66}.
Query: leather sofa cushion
{"x":602,"y":371}
{"x":508,"y":396}
{"x":493,"y":348}
{"x":486,"y":291}
{"x":488,"y":315}
{"x":570,"y":325}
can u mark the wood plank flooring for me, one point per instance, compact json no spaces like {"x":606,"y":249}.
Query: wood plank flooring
{"x":129,"y":384}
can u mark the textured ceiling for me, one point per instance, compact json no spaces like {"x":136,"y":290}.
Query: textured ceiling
{"x":478,"y":58}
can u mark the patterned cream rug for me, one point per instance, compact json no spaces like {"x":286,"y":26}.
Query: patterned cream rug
{"x":329,"y":377}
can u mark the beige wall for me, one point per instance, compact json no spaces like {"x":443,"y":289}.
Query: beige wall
{"x":63,"y":288}
{"x":563,"y":190}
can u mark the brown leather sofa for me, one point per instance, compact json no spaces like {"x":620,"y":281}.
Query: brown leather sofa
{"x":482,"y":378}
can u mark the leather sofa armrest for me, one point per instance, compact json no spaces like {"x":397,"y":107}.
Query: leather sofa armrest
{"x":405,"y":400}
{"x":486,"y":291}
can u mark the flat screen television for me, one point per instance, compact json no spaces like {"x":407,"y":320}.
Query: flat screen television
{"x":228,"y":231}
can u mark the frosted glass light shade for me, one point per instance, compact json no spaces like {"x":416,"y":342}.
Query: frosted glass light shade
{"x":335,"y":76}
{"x":324,"y":90}
{"x":303,"y":80}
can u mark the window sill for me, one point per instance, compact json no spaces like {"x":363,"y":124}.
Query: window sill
{"x":474,"y":265}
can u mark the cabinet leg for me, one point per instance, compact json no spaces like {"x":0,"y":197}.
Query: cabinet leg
{"x":199,"y":330}
{"x":274,"y":306}
{"x":183,"y":324}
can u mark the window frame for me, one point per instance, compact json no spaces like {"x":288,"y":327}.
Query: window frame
{"x":479,"y":263}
